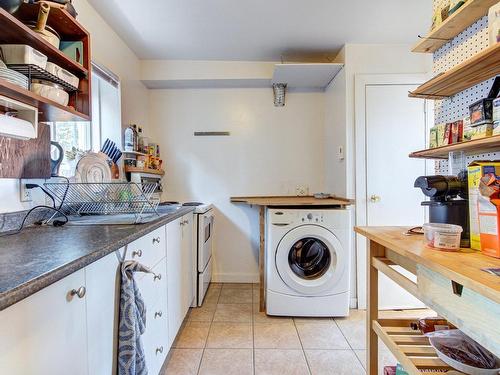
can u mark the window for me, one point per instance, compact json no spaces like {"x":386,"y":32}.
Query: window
{"x":78,"y":137}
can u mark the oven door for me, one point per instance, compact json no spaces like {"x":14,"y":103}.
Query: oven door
{"x":205,"y":238}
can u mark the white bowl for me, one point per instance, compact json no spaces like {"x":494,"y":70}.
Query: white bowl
{"x":466,"y":369}
{"x":51,"y":92}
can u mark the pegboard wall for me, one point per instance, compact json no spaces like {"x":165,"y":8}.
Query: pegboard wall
{"x":469,"y":42}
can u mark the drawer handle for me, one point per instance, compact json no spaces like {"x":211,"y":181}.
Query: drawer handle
{"x":457,"y":288}
{"x":157,"y":277}
{"x":80,"y":292}
{"x":156,"y":240}
{"x":159,"y":350}
{"x":137,"y":253}
{"x":158,"y":314}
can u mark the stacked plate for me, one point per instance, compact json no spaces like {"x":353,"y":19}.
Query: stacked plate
{"x":13,"y":77}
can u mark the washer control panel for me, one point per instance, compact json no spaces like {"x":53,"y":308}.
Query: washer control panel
{"x":311,"y":218}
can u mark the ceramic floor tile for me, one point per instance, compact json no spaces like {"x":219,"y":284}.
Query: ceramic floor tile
{"x":192,"y":336}
{"x":280,"y":362}
{"x":239,"y":313}
{"x":227,"y":361}
{"x":313,"y":320}
{"x":228,"y":296}
{"x":321,"y":336}
{"x":230,"y":336}
{"x":385,"y":357}
{"x":276,"y":336}
{"x":212,"y":296}
{"x":215,"y":286}
{"x":246,"y":286}
{"x":354,"y":328}
{"x":184,"y":362}
{"x":262,"y":317}
{"x":338,"y":362}
{"x":256,"y":295}
{"x":204,"y":313}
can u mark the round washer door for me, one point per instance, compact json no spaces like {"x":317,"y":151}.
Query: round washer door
{"x":309,"y":259}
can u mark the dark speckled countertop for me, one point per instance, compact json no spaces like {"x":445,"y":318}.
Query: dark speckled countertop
{"x":39,"y":256}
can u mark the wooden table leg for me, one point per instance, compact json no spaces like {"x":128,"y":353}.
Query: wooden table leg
{"x":262,"y":254}
{"x":374,"y":250}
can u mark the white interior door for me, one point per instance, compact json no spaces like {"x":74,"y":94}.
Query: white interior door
{"x":394,"y":125}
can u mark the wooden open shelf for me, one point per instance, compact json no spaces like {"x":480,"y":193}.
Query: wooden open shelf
{"x":410,"y":347}
{"x":142,"y":170}
{"x":49,"y":110}
{"x":477,"y":145}
{"x":465,"y":16}
{"x":477,"y":69}
{"x":16,"y":32}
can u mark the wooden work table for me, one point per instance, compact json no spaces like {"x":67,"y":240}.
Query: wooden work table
{"x":451,"y":283}
{"x":282,"y":201}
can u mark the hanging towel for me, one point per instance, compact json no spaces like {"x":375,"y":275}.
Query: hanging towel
{"x":132,"y":325}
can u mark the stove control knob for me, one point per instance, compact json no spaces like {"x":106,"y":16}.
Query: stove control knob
{"x":310,"y":216}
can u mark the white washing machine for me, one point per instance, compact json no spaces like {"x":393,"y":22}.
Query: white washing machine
{"x":308,"y":262}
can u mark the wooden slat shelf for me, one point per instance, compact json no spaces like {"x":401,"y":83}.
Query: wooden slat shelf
{"x":271,"y":201}
{"x":465,"y":16}
{"x":469,"y":147}
{"x":142,"y":170}
{"x":411,"y":348}
{"x":14,"y":31}
{"x":49,"y":110}
{"x":477,"y":69}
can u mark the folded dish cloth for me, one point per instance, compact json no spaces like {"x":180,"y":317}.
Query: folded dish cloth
{"x":132,"y":323}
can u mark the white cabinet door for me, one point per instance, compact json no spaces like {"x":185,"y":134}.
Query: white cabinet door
{"x":103,"y":302}
{"x":187,"y":263}
{"x":45,"y":334}
{"x":175,"y":309}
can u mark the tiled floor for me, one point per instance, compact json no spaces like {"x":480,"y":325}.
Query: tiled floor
{"x":228,"y":335}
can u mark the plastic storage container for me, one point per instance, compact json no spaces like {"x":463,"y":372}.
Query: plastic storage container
{"x":63,"y":74}
{"x":50,"y":91}
{"x":443,"y":236}
{"x":23,"y":54}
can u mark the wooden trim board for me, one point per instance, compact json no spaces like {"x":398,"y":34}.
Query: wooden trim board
{"x":292,"y":201}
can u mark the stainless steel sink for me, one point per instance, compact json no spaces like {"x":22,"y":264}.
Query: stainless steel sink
{"x":123,"y":219}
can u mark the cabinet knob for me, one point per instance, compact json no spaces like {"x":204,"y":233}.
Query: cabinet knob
{"x":186,"y":221}
{"x":159,"y":350}
{"x":158,"y":314}
{"x":137,"y":253}
{"x":181,"y":223}
{"x":375,"y":198}
{"x":157,"y":277}
{"x":156,"y":240}
{"x":80,"y":292}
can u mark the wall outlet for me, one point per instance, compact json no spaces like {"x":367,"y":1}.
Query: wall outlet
{"x":302,"y":190}
{"x":26,"y":195}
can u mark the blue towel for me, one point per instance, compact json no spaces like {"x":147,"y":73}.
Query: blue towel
{"x":132,"y":325}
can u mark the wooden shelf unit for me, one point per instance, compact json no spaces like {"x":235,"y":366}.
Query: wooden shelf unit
{"x":477,"y":69}
{"x":14,"y":31}
{"x":143,"y":170}
{"x":410,"y":347}
{"x":465,"y":16}
{"x":469,"y":147}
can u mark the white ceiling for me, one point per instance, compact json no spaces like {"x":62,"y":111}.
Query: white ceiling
{"x":260,"y":29}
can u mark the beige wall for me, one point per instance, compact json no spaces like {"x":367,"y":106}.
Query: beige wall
{"x":270,"y":151}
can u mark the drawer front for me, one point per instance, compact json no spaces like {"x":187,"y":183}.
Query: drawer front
{"x":148,"y":250}
{"x":477,"y":316}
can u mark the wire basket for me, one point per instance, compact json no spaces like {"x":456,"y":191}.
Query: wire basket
{"x":105,"y":198}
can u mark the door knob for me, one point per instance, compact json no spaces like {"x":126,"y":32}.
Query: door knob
{"x":375,"y":198}
{"x":80,"y":292}
{"x":137,"y":253}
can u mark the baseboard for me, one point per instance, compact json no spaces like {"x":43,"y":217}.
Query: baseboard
{"x":353,"y":304}
{"x":235,"y":278}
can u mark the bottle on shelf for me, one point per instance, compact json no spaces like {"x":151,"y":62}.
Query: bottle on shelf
{"x":134,"y":127}
{"x":129,"y":139}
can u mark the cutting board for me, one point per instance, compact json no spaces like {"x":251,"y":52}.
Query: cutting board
{"x":26,"y":159}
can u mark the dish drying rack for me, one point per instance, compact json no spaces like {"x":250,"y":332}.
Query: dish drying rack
{"x":105,"y":198}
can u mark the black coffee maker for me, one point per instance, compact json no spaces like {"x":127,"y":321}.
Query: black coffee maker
{"x":448,"y":202}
